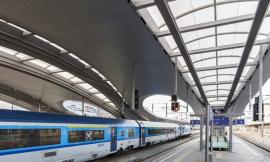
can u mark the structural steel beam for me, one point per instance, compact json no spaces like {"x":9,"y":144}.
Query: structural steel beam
{"x":218,"y":83}
{"x":145,"y":3}
{"x":167,"y":15}
{"x":220,"y":89}
{"x":215,"y":96}
{"x":260,"y":13}
{"x":211,"y":24}
{"x":214,"y":75}
{"x":219,"y":34}
{"x":220,"y":67}
{"x":214,"y":57}
{"x":220,"y":48}
{"x":226,"y":47}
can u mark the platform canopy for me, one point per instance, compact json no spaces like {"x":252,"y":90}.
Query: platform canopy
{"x":216,"y":42}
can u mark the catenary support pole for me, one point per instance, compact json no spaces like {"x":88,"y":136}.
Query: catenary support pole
{"x":133,"y":87}
{"x":211,"y":135}
{"x":230,"y":134}
{"x":166,"y":110}
{"x":201,"y":133}
{"x":207,"y":135}
{"x":175,"y":76}
{"x":83,"y":110}
{"x":260,"y":92}
{"x":250,"y":98}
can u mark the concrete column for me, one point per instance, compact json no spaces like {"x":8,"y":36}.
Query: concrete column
{"x":201,"y":133}
{"x":230,"y":134}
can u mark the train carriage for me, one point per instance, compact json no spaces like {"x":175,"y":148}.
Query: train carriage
{"x":42,"y":137}
{"x":156,"y":132}
{"x":185,"y":130}
{"x":52,"y":137}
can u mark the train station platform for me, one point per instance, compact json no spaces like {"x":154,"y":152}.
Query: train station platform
{"x":189,"y":152}
{"x":255,"y":138}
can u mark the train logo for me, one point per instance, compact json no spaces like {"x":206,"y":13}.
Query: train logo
{"x":88,"y":135}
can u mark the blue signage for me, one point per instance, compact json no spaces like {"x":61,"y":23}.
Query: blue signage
{"x":221,"y":120}
{"x":195,"y":122}
{"x":239,"y":122}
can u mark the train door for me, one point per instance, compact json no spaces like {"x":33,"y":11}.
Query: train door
{"x":143,"y":135}
{"x":113,"y":139}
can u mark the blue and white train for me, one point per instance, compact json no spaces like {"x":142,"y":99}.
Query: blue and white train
{"x":42,"y":137}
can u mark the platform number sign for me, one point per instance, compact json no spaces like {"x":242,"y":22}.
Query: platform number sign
{"x":88,"y":135}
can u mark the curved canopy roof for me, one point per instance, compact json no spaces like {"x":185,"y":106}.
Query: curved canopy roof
{"x":215,"y":35}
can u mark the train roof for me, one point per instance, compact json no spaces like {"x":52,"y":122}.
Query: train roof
{"x":36,"y":117}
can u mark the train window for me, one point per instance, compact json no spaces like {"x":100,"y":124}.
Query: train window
{"x":19,"y":138}
{"x":131,"y":132}
{"x":155,"y":131}
{"x":83,"y":136}
{"x":76,"y":136}
{"x":98,"y":135}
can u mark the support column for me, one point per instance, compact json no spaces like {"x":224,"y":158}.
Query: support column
{"x":250,"y":98}
{"x":207,"y":135}
{"x":133,"y":87}
{"x":201,"y":133}
{"x":83,"y":111}
{"x":211,"y":134}
{"x":260,"y":92}
{"x":230,"y":134}
{"x":123,"y":106}
{"x":175,"y":76}
{"x":166,"y":110}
